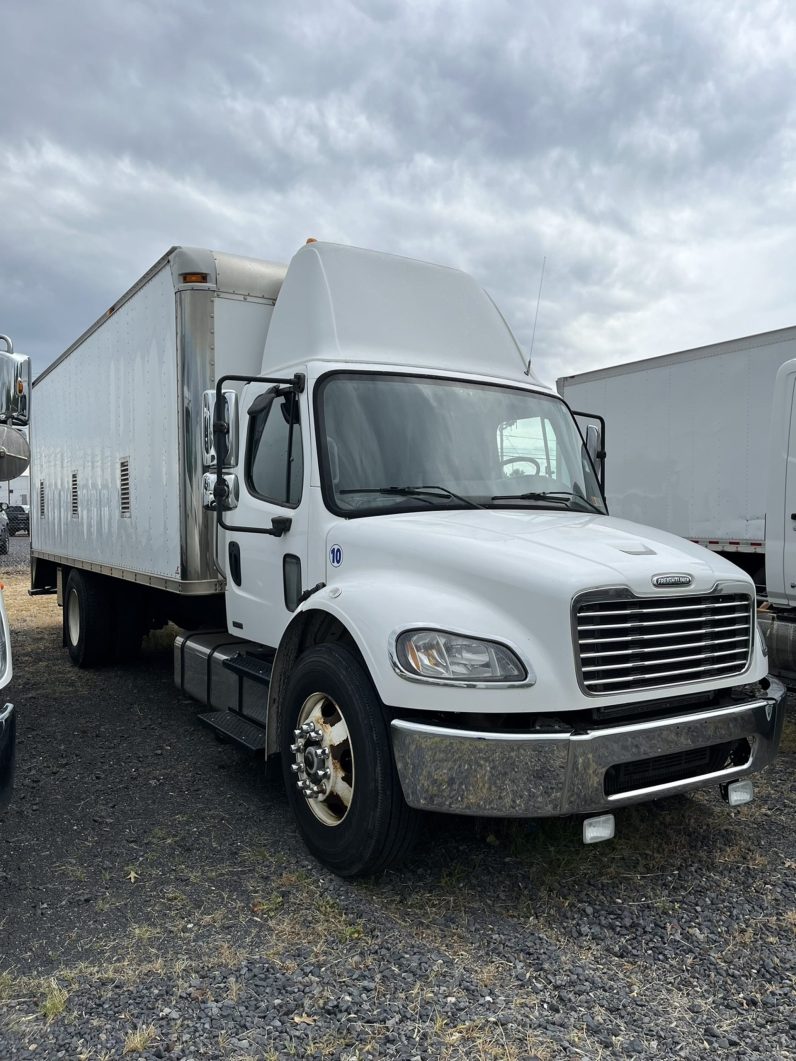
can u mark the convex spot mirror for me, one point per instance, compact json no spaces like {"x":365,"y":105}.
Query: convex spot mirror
{"x":14,"y":453}
{"x":229,"y":415}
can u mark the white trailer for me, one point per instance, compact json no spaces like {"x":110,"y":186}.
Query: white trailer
{"x":702,"y":443}
{"x":389,"y":542}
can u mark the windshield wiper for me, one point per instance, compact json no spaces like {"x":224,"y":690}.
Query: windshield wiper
{"x":424,"y":492}
{"x":562,"y":497}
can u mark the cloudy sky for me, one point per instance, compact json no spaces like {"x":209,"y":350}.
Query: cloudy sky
{"x":647,"y":151}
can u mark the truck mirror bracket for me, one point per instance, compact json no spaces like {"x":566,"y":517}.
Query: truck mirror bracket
{"x":279,"y":525}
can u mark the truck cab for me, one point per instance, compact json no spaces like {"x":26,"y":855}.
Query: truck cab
{"x":419,"y":558}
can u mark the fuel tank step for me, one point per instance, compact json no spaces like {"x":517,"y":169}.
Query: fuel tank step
{"x":255,"y":667}
{"x":236,"y":728}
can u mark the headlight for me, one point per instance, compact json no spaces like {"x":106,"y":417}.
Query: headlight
{"x":436,"y":655}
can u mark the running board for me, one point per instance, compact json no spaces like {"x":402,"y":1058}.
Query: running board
{"x":231,"y":677}
{"x":236,"y":728}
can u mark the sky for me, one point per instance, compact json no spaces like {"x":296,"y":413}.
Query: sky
{"x":644,"y":152}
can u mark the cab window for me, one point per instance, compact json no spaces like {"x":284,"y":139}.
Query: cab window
{"x":275,"y":462}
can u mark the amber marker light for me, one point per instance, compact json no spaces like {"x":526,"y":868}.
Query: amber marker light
{"x":311,"y":239}
{"x":194,"y":278}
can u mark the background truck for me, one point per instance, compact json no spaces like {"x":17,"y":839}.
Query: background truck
{"x":14,"y":459}
{"x":388,"y":548}
{"x":703,"y":444}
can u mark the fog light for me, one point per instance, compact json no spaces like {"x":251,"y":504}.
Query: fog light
{"x":736,"y":793}
{"x":597,"y":829}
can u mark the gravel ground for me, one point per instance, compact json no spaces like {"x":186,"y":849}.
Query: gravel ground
{"x":155,"y":901}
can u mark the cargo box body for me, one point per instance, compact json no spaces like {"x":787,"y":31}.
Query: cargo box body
{"x":688,"y":437}
{"x":117,"y":442}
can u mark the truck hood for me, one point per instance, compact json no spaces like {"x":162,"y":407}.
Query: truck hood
{"x":571,"y":550}
{"x":507,"y":575}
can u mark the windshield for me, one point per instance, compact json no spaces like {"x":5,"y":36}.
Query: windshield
{"x":392,"y":442}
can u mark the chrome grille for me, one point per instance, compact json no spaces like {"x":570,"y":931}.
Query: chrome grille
{"x":632,"y":643}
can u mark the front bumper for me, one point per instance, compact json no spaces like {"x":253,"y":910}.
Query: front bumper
{"x":8,"y":731}
{"x":546,"y":774}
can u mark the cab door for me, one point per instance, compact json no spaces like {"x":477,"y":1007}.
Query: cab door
{"x":265,"y":571}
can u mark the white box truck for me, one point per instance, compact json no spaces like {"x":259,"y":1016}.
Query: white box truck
{"x":703,"y":444}
{"x":389,"y":549}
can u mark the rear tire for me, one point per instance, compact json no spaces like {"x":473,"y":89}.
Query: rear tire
{"x":360,"y":823}
{"x":88,"y":619}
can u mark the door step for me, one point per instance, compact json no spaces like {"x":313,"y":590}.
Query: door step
{"x":254,"y":667}
{"x":236,"y":728}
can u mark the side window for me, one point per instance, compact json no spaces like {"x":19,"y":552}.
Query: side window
{"x":275,"y":462}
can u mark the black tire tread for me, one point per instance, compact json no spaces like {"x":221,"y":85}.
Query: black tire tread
{"x":94,"y":647}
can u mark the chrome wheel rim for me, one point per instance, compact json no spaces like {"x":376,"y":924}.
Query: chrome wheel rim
{"x":323,"y":759}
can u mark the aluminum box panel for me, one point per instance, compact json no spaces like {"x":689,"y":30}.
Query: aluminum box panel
{"x":113,"y":399}
{"x":688,"y":435}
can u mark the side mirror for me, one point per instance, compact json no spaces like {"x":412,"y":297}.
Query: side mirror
{"x":230,"y":416}
{"x":14,"y":454}
{"x":594,"y":438}
{"x":14,"y":385}
{"x":593,"y":442}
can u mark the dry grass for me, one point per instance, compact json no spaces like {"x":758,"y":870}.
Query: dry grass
{"x":140,"y":1039}
{"x":54,"y":1002}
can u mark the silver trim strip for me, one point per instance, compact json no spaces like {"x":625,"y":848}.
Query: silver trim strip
{"x":656,"y":637}
{"x":655,"y":622}
{"x":171,"y":585}
{"x":648,"y":611}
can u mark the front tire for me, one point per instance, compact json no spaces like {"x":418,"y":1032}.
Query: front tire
{"x":87,"y":619}
{"x":338,"y":767}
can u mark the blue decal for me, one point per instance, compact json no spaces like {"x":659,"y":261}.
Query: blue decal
{"x":335,"y":556}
